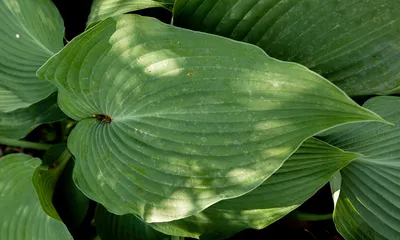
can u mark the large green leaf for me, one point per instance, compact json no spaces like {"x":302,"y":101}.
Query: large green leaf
{"x":22,"y":216}
{"x":102,"y":9}
{"x":17,"y":124}
{"x":31,"y":31}
{"x":369,"y":202}
{"x":353,"y":43}
{"x":306,"y":171}
{"x":110,"y":226}
{"x":172,"y":121}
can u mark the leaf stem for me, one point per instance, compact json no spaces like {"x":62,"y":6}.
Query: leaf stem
{"x":24,"y":144}
{"x":310,"y":216}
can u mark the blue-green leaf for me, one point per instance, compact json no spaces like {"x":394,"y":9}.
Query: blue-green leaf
{"x":31,"y":31}
{"x":22,"y":216}
{"x":172,"y":121}
{"x":306,"y":171}
{"x":368,"y":206}
{"x":102,"y":9}
{"x":353,"y":43}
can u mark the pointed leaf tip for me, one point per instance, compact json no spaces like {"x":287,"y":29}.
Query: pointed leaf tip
{"x":196,"y":118}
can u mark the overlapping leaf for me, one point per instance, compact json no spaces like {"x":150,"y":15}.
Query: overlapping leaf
{"x":22,"y":216}
{"x":102,"y":9}
{"x":172,"y":121}
{"x":368,"y":206}
{"x":9,"y":101}
{"x":306,"y":171}
{"x":17,"y":124}
{"x":45,"y":178}
{"x":71,"y":204}
{"x":110,"y":226}
{"x":31,"y":31}
{"x":353,"y":43}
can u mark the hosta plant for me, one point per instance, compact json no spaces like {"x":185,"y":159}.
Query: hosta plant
{"x":228,"y":116}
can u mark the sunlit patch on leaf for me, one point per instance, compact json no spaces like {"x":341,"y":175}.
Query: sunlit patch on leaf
{"x":306,"y":171}
{"x":353,"y":43}
{"x":30,"y":33}
{"x":22,"y":216}
{"x":102,"y":9}
{"x":178,"y":144}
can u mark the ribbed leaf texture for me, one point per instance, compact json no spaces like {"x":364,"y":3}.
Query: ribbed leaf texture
{"x":102,"y":9}
{"x":368,"y":206}
{"x":31,"y":31}
{"x":306,"y":171}
{"x":22,"y":216}
{"x":353,"y":43}
{"x":172,"y":121}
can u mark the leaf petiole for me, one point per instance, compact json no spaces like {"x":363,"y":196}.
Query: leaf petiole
{"x":24,"y":144}
{"x":310,"y":216}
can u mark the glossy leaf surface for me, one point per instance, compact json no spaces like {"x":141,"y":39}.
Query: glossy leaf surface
{"x":22,"y":216}
{"x":31,"y":31}
{"x":306,"y":171}
{"x":368,"y":206}
{"x":353,"y":43}
{"x":110,"y":226}
{"x":172,"y":121}
{"x":102,"y":9}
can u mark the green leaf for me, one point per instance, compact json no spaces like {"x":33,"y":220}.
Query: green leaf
{"x":172,"y":121}
{"x":22,"y":216}
{"x":306,"y":171}
{"x":71,"y":204}
{"x":31,"y":31}
{"x":18,"y":123}
{"x":110,"y":226}
{"x":102,"y":9}
{"x":353,"y":43}
{"x":9,"y":101}
{"x":45,"y":177}
{"x":369,"y":202}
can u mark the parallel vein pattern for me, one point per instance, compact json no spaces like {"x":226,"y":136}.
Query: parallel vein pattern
{"x":193,"y":118}
{"x":353,"y":43}
{"x":18,"y":123}
{"x":306,"y":171}
{"x":102,"y":9}
{"x":9,"y":101}
{"x":31,"y":31}
{"x":110,"y":226}
{"x":21,"y":215}
{"x":369,"y":203}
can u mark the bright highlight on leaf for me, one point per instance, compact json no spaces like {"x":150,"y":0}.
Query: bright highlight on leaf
{"x":31,"y":31}
{"x":306,"y":171}
{"x":369,"y":202}
{"x":353,"y":43}
{"x":172,"y":121}
{"x":102,"y":9}
{"x":110,"y":226}
{"x":22,"y":216}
